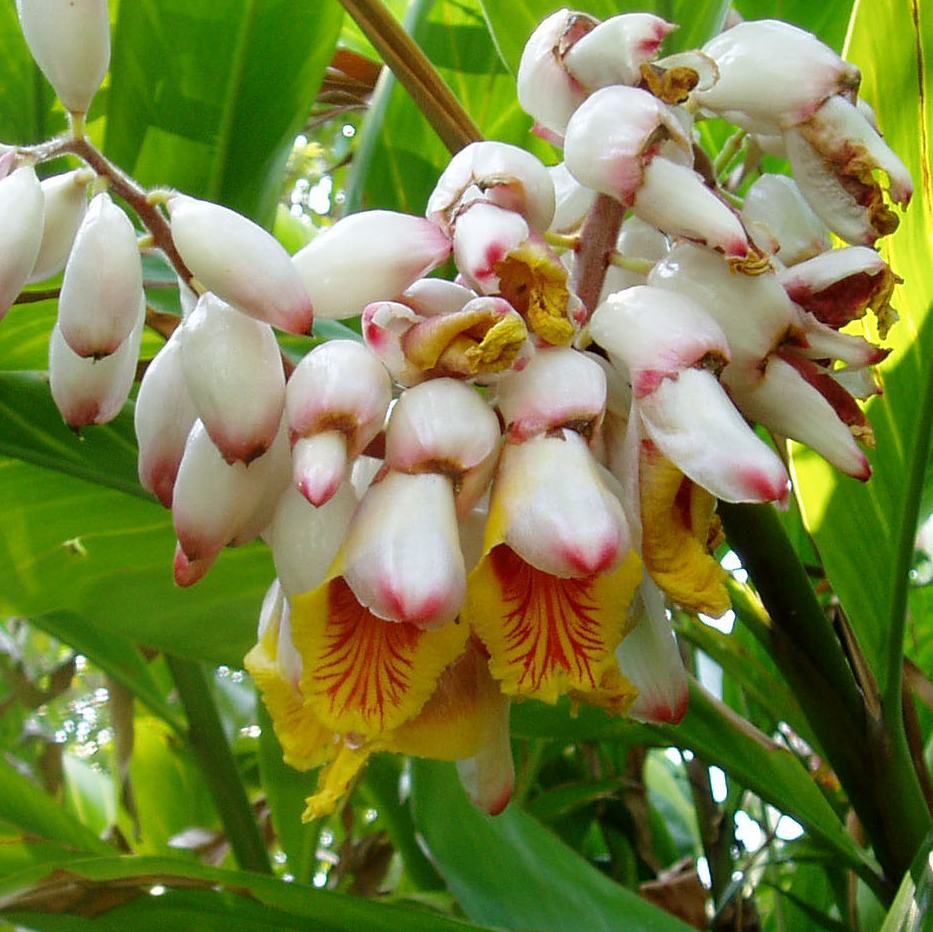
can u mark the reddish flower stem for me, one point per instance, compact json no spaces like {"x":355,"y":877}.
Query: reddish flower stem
{"x":595,"y":250}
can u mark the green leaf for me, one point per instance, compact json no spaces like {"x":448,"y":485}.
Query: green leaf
{"x":400,"y":155}
{"x":865,"y":532}
{"x":511,"y":871}
{"x":209,"y":96}
{"x":912,"y":908}
{"x":712,"y":730}
{"x":89,"y":794}
{"x":64,"y":892}
{"x":32,"y":811}
{"x":513,"y":21}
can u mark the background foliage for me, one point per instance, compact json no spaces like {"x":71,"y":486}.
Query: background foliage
{"x":139,"y":783}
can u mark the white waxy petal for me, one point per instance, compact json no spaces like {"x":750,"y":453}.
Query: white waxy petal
{"x":213,"y":499}
{"x":558,"y":514}
{"x":650,"y":658}
{"x":103,"y":281}
{"x":637,"y":240}
{"x":306,"y":539}
{"x":65,"y":207}
{"x":753,"y":310}
{"x":546,"y":91}
{"x":775,"y":202}
{"x":272,"y":475}
{"x":384,"y":324}
{"x":319,"y":465}
{"x":164,"y":415}
{"x":574,"y":200}
{"x":402,"y":554}
{"x":370,"y":256}
{"x":772,"y":75}
{"x":784,"y":402}
{"x":339,"y":385}
{"x":615,"y":134}
{"x":615,"y":50}
{"x":89,"y":391}
{"x":430,"y":297}
{"x":21,"y":206}
{"x":559,"y":387}
{"x":695,"y":425}
{"x":240,"y":262}
{"x":674,"y":199}
{"x":823,"y":342}
{"x":656,"y":333}
{"x":484,"y":236}
{"x":506,"y":176}
{"x":233,"y":370}
{"x":441,"y":425}
{"x":70,"y":41}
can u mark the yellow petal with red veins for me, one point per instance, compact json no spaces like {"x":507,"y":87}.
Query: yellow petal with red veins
{"x":461,"y":715}
{"x":364,"y":676}
{"x":549,"y":636}
{"x":677,"y":521}
{"x":534,"y":282}
{"x":306,"y":743}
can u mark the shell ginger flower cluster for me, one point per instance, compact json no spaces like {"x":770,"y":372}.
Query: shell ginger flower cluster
{"x":497,"y":494}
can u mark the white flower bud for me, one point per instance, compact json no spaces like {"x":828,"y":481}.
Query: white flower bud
{"x":504,"y":174}
{"x":88,"y":391}
{"x":319,"y":465}
{"x":21,"y":206}
{"x":773,"y":75}
{"x":164,"y":416}
{"x":615,"y":50}
{"x":103,"y":281}
{"x":574,"y":200}
{"x":65,"y":207}
{"x":240,"y":262}
{"x":370,"y":256}
{"x":559,"y":387}
{"x":306,"y":539}
{"x":432,"y":296}
{"x":70,"y":41}
{"x":637,"y":240}
{"x":484,"y":236}
{"x":233,"y":370}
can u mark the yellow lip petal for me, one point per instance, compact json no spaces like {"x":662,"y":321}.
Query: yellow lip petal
{"x":364,"y":676}
{"x":334,"y":781}
{"x":548,"y":636}
{"x":677,"y":520}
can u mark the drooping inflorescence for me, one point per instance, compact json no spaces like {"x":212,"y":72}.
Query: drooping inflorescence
{"x":495,"y":493}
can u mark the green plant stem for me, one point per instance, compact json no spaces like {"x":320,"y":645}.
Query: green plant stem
{"x":415,"y":73}
{"x":207,"y":739}
{"x":870,"y":756}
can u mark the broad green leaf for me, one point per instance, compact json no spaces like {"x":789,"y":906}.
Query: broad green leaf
{"x":89,"y":795}
{"x":513,"y":21}
{"x":209,"y":96}
{"x":721,"y":737}
{"x":865,"y":532}
{"x":26,"y":807}
{"x":64,"y":892}
{"x":827,"y":21}
{"x":912,"y":908}
{"x":400,"y":155}
{"x":511,"y":871}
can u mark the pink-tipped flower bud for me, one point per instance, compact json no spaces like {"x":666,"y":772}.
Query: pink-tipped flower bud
{"x":164,"y":416}
{"x":402,"y":555}
{"x":233,"y":370}
{"x":444,"y":426}
{"x":319,"y":465}
{"x":546,"y":90}
{"x":775,"y":205}
{"x":499,"y":173}
{"x":615,"y":50}
{"x":370,"y":256}
{"x":65,"y":207}
{"x":70,"y":41}
{"x":103,"y":282}
{"x":240,"y":262}
{"x":92,"y":391}
{"x":21,"y":206}
{"x":560,"y":387}
{"x":773,"y":75}
{"x":429,"y":297}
